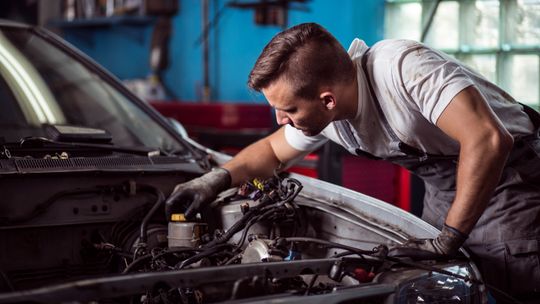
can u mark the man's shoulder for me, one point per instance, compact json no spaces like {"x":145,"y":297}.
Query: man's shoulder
{"x":396,"y":44}
{"x":392,"y":49}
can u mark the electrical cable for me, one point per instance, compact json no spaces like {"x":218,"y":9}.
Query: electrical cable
{"x":177,"y":250}
{"x":234,"y":258}
{"x":149,"y":256}
{"x":289,"y":197}
{"x":199,"y":256}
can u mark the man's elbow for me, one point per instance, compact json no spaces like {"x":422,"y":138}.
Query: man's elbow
{"x":501,"y":142}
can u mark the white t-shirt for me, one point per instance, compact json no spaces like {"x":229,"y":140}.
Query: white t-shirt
{"x":413,"y":84}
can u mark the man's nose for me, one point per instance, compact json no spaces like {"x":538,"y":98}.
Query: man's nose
{"x":282,"y":118}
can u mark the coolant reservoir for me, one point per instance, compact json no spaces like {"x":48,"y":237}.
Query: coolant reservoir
{"x":182,"y":233}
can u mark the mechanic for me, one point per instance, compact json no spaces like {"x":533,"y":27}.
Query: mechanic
{"x":475,"y":147}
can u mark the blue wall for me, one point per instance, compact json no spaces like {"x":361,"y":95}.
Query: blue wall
{"x":122,"y":49}
{"x":235,"y":44}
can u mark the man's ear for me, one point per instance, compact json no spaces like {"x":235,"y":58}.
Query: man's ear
{"x":328,"y":99}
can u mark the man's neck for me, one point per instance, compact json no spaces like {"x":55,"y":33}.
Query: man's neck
{"x":349,"y":101}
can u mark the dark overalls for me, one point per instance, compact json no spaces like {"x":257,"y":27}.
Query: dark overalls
{"x":506,"y":239}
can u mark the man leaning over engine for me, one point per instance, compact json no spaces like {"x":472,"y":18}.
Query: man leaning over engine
{"x":475,"y":147}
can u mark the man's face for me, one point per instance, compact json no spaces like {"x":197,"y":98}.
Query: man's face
{"x":307,"y":115}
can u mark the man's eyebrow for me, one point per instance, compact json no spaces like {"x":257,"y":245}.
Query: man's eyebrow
{"x":287,"y":109}
{"x":278,"y":108}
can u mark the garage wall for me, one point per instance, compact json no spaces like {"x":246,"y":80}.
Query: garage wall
{"x":235,"y":43}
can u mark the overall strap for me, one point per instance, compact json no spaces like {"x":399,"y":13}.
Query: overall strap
{"x":534,"y":116}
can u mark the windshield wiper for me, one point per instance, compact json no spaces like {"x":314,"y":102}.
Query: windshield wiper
{"x":32,"y":143}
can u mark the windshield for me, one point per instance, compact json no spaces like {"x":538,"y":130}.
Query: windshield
{"x":42,"y":85}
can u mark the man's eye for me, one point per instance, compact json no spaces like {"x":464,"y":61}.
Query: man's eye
{"x":291,"y":111}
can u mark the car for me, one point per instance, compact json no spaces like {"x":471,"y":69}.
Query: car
{"x":85,"y":169}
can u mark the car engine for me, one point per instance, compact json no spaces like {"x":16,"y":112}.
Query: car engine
{"x":106,"y":240}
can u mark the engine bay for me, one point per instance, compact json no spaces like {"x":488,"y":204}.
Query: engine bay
{"x":104,"y":237}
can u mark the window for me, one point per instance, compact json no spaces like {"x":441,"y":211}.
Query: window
{"x":499,"y":39}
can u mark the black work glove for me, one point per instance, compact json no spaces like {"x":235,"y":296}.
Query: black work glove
{"x":196,"y":193}
{"x":445,"y":245}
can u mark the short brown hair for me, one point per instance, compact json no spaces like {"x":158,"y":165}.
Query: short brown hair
{"x":307,"y":55}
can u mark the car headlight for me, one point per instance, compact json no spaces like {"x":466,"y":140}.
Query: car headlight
{"x":415,"y":285}
{"x":435,"y":288}
{"x":438,"y":288}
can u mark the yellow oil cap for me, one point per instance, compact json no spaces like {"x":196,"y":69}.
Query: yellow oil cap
{"x":178,"y":217}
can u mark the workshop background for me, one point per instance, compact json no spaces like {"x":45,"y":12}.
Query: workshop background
{"x":190,"y":59}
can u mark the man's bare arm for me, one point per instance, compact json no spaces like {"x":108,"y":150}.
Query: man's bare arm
{"x":261,"y":158}
{"x":484,"y":148}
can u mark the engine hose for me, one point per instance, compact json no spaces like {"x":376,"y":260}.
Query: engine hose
{"x":249,"y":224}
{"x":244,"y":233}
{"x":159,"y":201}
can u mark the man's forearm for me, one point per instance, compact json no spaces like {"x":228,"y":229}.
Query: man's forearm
{"x":256,"y":160}
{"x":478,"y":173}
{"x":262,"y":158}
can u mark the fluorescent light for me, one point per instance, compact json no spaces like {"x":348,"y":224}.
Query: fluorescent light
{"x":33,"y":94}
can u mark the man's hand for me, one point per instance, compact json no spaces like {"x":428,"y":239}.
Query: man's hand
{"x":196,"y":193}
{"x":259,"y":159}
{"x":446,"y":244}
